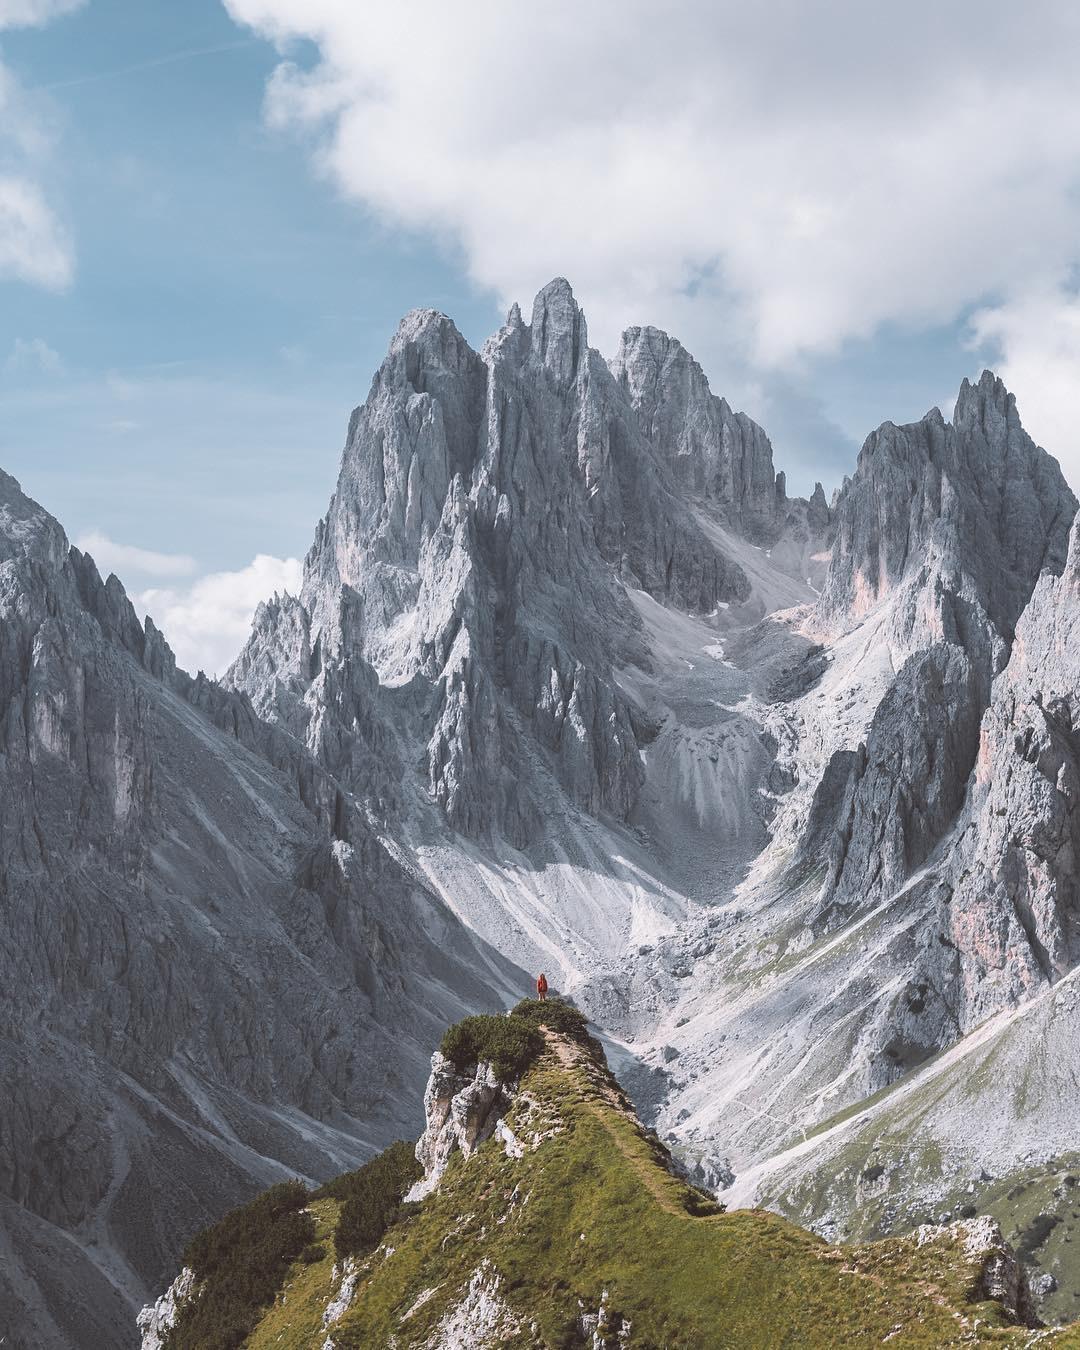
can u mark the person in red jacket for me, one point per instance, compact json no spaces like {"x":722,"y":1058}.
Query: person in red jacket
{"x":541,"y":987}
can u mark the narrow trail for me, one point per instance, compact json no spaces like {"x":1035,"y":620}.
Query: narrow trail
{"x":646,"y":1170}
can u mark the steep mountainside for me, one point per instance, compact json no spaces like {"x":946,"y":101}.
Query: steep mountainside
{"x":550,"y":1218}
{"x":207,"y":955}
{"x":780,"y":791}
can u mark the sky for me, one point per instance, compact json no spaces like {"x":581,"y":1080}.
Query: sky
{"x":213,"y":215}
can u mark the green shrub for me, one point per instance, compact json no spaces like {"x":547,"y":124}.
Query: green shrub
{"x":508,"y":1044}
{"x":372,"y":1199}
{"x":313,"y":1253}
{"x":561,"y":1017}
{"x":240,"y":1264}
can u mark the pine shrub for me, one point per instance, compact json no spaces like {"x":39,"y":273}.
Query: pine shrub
{"x":372,"y":1199}
{"x":240,"y":1264}
{"x":508,"y":1044}
{"x":561,"y":1017}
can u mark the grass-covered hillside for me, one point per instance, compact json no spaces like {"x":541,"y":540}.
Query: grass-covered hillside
{"x":570,"y":1226}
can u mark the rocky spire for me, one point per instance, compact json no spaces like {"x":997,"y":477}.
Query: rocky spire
{"x":559,"y":336}
{"x":974,"y":499}
{"x":948,"y":527}
{"x":719,"y":455}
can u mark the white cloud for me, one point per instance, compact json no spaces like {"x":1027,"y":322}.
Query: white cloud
{"x":208,"y":622}
{"x":32,"y":356}
{"x":34,"y":245}
{"x":127,"y":558}
{"x":34,"y":13}
{"x":775,"y":179}
{"x":1035,"y":345}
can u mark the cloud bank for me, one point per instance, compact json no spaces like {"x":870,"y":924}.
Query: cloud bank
{"x":33,"y":13}
{"x":776,"y":180}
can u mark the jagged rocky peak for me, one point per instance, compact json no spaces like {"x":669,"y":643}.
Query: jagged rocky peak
{"x":559,"y":336}
{"x":953,"y":523}
{"x":818,"y":514}
{"x":716,"y":453}
{"x":491,"y":513}
{"x":974,"y":503}
{"x":27,"y":532}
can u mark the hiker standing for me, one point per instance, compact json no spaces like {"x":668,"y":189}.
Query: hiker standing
{"x":541,"y":987}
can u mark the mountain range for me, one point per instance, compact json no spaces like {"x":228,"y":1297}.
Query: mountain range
{"x":780,"y":792}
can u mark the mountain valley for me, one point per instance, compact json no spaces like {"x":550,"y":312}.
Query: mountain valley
{"x":780,"y":792}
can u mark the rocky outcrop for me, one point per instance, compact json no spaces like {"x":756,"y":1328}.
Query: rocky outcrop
{"x":716,"y":454}
{"x":481,"y":1319}
{"x":346,"y":1277}
{"x":1000,"y":1276}
{"x":157,"y":1319}
{"x":461,"y":1111}
{"x":605,"y":1329}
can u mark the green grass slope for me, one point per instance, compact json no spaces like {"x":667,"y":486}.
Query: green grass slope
{"x":587,"y":1233}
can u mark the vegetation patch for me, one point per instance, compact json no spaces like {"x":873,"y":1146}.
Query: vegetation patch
{"x":508,"y":1044}
{"x":372,"y":1199}
{"x":561,"y":1017}
{"x":294,"y":1321}
{"x":240,"y":1264}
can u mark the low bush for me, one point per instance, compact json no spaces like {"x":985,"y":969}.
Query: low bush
{"x":508,"y":1044}
{"x":561,"y":1017}
{"x":372,"y":1199}
{"x":240,"y":1264}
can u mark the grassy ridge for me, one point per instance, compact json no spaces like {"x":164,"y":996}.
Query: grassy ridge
{"x":591,"y":1209}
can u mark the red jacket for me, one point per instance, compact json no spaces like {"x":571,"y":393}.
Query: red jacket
{"x":541,"y":985}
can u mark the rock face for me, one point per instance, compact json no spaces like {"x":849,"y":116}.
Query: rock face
{"x":962,"y":515}
{"x":461,"y":1110}
{"x":157,"y":1319}
{"x":718,"y":455}
{"x":1014,"y":910}
{"x":952,"y":523}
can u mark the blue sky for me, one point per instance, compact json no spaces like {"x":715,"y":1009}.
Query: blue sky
{"x":241,"y":236}
{"x":226,"y":310}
